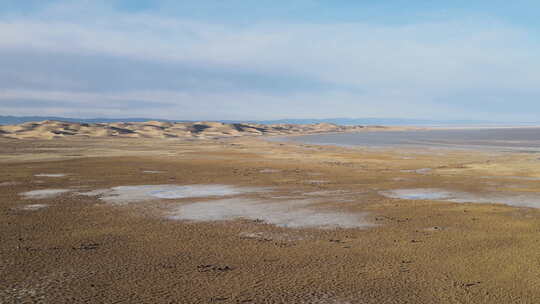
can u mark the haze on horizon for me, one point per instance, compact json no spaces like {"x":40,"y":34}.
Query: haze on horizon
{"x":257,"y":60}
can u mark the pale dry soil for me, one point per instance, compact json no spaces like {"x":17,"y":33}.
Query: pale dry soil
{"x":243,"y":221}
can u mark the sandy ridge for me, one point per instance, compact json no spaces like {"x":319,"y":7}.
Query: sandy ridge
{"x":154,"y":129}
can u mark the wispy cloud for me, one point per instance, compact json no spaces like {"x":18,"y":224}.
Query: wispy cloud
{"x":102,"y":60}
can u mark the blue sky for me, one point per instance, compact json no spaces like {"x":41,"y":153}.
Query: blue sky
{"x":241,"y":59}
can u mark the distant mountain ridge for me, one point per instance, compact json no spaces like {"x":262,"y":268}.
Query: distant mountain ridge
{"x":51,"y":129}
{"x":11,"y":120}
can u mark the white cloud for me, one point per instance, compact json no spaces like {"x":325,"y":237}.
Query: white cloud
{"x":172,"y":105}
{"x":407,"y":70}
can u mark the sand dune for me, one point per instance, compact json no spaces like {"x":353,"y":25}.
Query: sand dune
{"x":155,"y":129}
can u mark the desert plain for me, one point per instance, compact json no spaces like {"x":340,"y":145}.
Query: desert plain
{"x":247,"y":220}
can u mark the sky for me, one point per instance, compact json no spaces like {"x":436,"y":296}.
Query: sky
{"x":260,"y":60}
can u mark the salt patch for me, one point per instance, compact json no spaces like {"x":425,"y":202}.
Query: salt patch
{"x":50,"y":175}
{"x":134,"y":194}
{"x":269,"y":171}
{"x":46,"y":193}
{"x":326,"y":193}
{"x":423,"y":170}
{"x":527,"y":178}
{"x":5,"y":184}
{"x":96,"y":192}
{"x":418,"y":171}
{"x":34,"y":207}
{"x":290,"y":214}
{"x":399,"y":179}
{"x":517,"y":199}
{"x":152,"y":171}
{"x":316,"y":182}
{"x":418,"y":194}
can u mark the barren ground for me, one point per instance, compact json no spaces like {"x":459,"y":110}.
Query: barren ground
{"x":62,"y":247}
